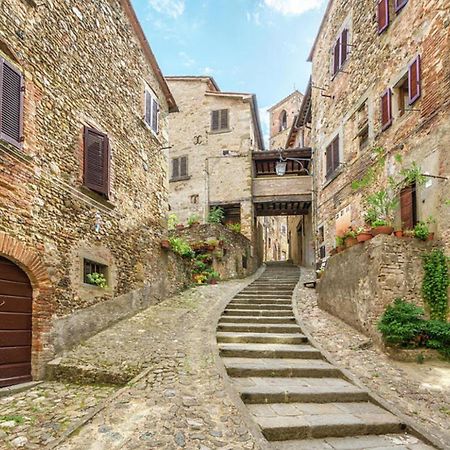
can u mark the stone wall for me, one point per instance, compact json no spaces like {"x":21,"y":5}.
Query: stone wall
{"x":360,"y":282}
{"x":83,"y":64}
{"x":375,"y":63}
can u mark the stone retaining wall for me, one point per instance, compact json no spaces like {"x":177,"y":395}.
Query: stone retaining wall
{"x":359,"y":283}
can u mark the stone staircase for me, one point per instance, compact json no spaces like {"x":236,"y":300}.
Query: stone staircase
{"x":299,"y":400}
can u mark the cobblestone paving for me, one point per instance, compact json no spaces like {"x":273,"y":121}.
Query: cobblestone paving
{"x":181,"y":402}
{"x":404,"y":385}
{"x":36,"y":417}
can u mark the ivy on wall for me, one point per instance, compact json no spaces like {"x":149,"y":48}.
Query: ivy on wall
{"x":435,"y":284}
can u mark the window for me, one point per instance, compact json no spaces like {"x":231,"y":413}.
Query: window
{"x":179,"y":168}
{"x":151,"y":114}
{"x":283,"y":121}
{"x":408,"y":207}
{"x":332,"y":158}
{"x":362,"y":124}
{"x":91,"y":267}
{"x":382,"y":15}
{"x":96,"y":161}
{"x":386,"y":109}
{"x":11,"y":104}
{"x":401,"y":96}
{"x":340,"y":51}
{"x":220,"y":120}
{"x":321,"y":242}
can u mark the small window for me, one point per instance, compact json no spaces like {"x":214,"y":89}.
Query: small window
{"x":340,"y":51}
{"x":362,"y":124}
{"x":92,"y":267}
{"x":283,"y":121}
{"x":401,"y":96}
{"x":332,"y":158}
{"x":96,"y":161}
{"x":179,"y":168}
{"x":220,"y":120}
{"x":151,"y":113}
{"x":11,"y":104}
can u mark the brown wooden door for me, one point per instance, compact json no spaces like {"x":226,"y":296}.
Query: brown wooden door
{"x":15,"y":324}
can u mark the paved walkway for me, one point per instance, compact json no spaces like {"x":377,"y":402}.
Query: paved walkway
{"x":299,"y":400}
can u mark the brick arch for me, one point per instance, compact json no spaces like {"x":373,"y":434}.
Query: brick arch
{"x":27,"y":259}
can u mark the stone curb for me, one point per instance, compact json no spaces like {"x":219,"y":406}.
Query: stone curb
{"x":416,"y":430}
{"x":233,"y":395}
{"x":12,"y":390}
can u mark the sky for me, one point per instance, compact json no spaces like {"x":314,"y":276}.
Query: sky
{"x":255,"y":46}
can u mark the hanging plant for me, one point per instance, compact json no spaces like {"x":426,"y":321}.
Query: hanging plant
{"x":435,"y":284}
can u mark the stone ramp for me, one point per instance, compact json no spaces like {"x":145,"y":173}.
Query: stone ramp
{"x":298,"y":399}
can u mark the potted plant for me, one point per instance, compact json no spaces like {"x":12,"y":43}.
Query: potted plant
{"x":179,"y":226}
{"x":398,"y":233}
{"x":350,"y":238}
{"x":408,"y":233}
{"x":421,"y":231}
{"x":380,"y":212}
{"x":363,"y":235}
{"x":193,"y":220}
{"x":340,"y":244}
{"x":165,"y":243}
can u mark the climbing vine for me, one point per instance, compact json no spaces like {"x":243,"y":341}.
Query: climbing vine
{"x":435,"y":284}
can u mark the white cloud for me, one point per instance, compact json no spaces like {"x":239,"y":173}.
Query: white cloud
{"x":293,"y":7}
{"x":172,"y":8}
{"x":186,"y":59}
{"x":265,"y":125}
{"x":254,"y":17}
{"x":208,"y":71}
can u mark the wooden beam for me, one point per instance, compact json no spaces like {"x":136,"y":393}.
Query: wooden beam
{"x":283,"y":198}
{"x":288,"y":153}
{"x":282,"y":212}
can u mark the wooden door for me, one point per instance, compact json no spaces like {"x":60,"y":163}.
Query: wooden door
{"x":15,"y":324}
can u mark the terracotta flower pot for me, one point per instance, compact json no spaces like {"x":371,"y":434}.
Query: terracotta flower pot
{"x":430,"y":237}
{"x":384,"y":229}
{"x":165,"y":244}
{"x":364,"y":236}
{"x":350,"y":242}
{"x":179,"y":227}
{"x":340,"y":248}
{"x":398,"y":233}
{"x":333,"y":251}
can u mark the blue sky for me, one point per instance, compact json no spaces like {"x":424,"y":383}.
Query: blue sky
{"x":257,"y":46}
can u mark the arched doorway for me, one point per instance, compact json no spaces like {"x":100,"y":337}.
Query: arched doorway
{"x":16,"y":303}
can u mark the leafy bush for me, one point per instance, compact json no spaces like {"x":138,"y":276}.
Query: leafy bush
{"x":381,"y":208}
{"x":235,"y":227}
{"x":97,"y":279}
{"x":421,"y":231}
{"x":339,"y":241}
{"x":181,"y":247}
{"x":193,"y":219}
{"x":216,"y":215}
{"x":401,"y":323}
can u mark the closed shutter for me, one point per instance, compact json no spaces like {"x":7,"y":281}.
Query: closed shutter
{"x":175,"y":168}
{"x":224,"y":119}
{"x":386,"y":109}
{"x":215,"y":120}
{"x":335,"y":147}
{"x":96,"y":161}
{"x":155,"y":116}
{"x":344,"y":46}
{"x":336,"y":56}
{"x":399,"y":4}
{"x":414,"y":80}
{"x":148,"y":108}
{"x":11,"y":104}
{"x":408,"y":211}
{"x":183,"y":166}
{"x":383,"y":15}
{"x":329,"y":160}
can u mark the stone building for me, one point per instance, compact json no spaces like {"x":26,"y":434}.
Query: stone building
{"x":275,"y":238}
{"x":83,"y":185}
{"x":380,"y":103}
{"x":213,"y":137}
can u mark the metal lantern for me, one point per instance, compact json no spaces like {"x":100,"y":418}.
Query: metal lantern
{"x":280,"y":168}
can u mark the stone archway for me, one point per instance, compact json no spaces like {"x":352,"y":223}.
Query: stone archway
{"x":30,"y":262}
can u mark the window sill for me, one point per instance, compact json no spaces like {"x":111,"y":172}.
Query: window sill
{"x":331,"y":178}
{"x":97,"y":197}
{"x":92,"y":287}
{"x":173,"y":180}
{"x":228,"y":130}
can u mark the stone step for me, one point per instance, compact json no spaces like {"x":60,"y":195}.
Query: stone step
{"x":259,"y":328}
{"x":279,"y":295}
{"x":256,"y":319}
{"x":270,"y":367}
{"x":278,"y":422}
{"x":376,"y":442}
{"x":258,"y":306}
{"x":298,"y":390}
{"x":257,"y":312}
{"x":262,"y":338}
{"x":236,"y":350}
{"x":262,"y":301}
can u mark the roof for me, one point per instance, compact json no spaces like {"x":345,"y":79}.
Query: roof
{"x":284,"y":100}
{"x":126,"y":5}
{"x":322,"y":24}
{"x":206,"y":78}
{"x":302,"y":117}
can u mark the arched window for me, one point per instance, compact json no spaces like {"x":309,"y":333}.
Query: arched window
{"x":283,"y":120}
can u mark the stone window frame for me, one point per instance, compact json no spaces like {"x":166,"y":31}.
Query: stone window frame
{"x":346,"y":24}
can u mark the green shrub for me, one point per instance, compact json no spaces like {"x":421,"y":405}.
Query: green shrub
{"x":435,"y":284}
{"x":193,"y":219}
{"x":181,"y":247}
{"x":216,"y":215}
{"x":339,"y":241}
{"x":97,"y":279}
{"x":401,"y":323}
{"x":421,"y":231}
{"x":235,"y":227}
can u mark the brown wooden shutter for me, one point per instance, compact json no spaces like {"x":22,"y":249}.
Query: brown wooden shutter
{"x":11,"y":104}
{"x":344,"y":46}
{"x":96,"y":161}
{"x":386,"y":109}
{"x":148,"y":108}
{"x":383,"y":15}
{"x":224,"y":119}
{"x":215,"y":120}
{"x":183,"y":166}
{"x":335,"y":146}
{"x":155,"y":116}
{"x":336,"y":56}
{"x":408,"y":207}
{"x":399,"y":4}
{"x":329,"y":163}
{"x":175,"y":168}
{"x":414,"y":80}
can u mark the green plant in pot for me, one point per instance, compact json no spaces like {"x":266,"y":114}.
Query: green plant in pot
{"x":363,"y":235}
{"x":193,"y":220}
{"x":421,"y":231}
{"x":340,"y":244}
{"x":350,"y":238}
{"x":380,"y":211}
